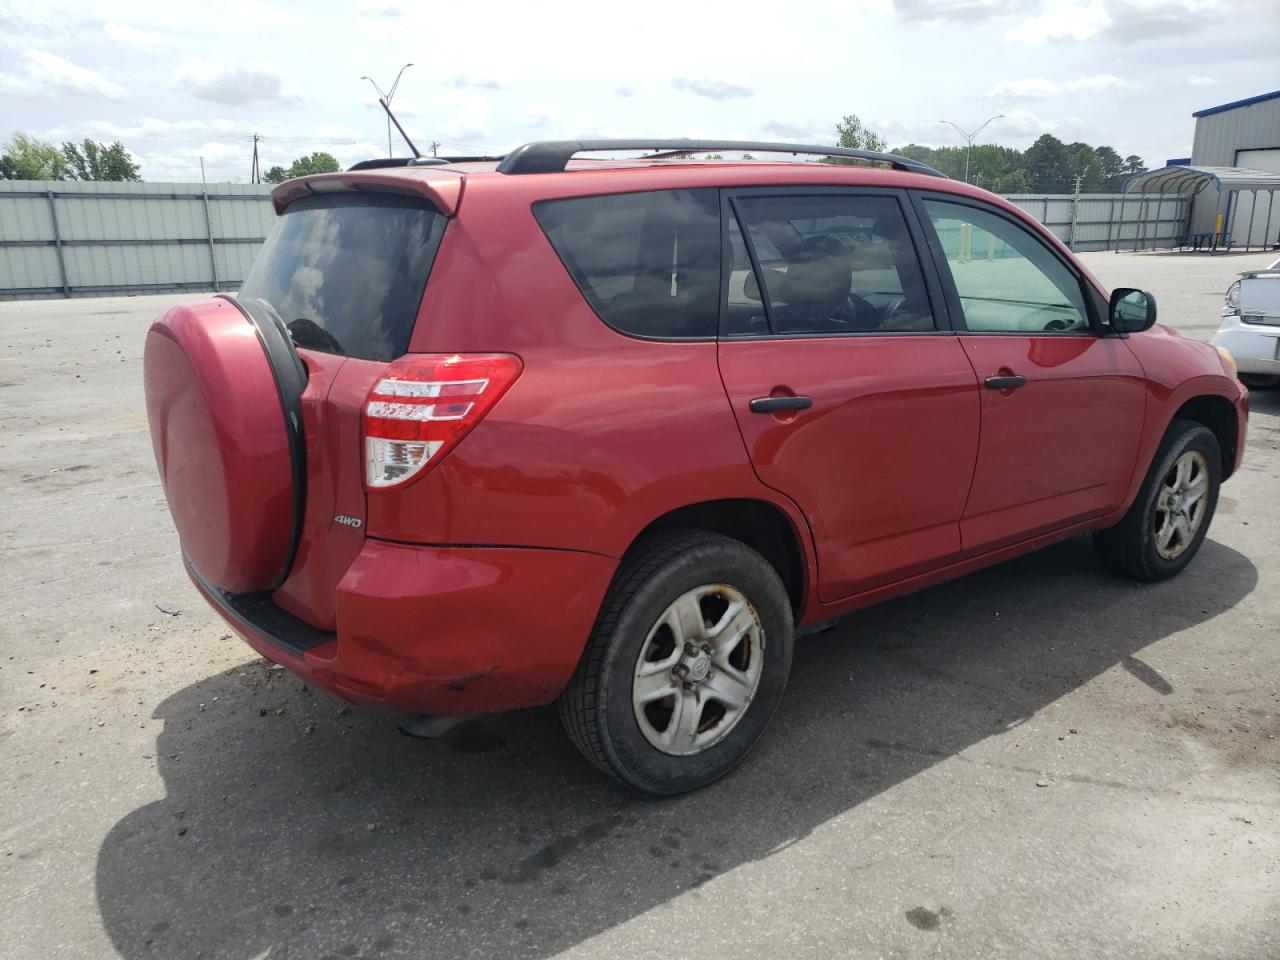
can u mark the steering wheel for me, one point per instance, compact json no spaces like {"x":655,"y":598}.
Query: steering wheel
{"x":891,"y":310}
{"x":857,"y":314}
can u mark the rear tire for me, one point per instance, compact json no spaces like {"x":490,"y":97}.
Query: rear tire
{"x":685,"y":666}
{"x":1170,"y":516}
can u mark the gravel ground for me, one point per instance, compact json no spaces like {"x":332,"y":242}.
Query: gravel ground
{"x":1034,"y":761}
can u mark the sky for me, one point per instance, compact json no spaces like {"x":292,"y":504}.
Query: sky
{"x":178,"y":81}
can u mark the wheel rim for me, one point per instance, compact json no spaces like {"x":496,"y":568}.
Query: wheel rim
{"x":698,"y":670}
{"x":1180,"y":504}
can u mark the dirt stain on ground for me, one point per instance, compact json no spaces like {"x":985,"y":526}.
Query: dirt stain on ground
{"x":922,"y":918}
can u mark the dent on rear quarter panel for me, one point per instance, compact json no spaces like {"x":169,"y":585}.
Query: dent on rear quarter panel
{"x":601,"y":434}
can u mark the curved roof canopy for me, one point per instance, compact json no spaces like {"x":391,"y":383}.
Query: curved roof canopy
{"x":1187,"y":181}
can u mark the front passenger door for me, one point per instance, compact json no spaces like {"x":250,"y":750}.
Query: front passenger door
{"x":1062,"y":406}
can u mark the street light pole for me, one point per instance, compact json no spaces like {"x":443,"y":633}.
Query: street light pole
{"x":387,"y":97}
{"x":969,"y":138}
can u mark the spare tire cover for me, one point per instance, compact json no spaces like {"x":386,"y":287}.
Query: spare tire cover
{"x":225,"y":447}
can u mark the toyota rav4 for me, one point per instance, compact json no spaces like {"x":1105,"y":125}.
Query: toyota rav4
{"x":491,"y":433}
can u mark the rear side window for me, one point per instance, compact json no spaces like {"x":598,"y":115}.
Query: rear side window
{"x":346,"y":271}
{"x":648,"y":263}
{"x":827,"y":265}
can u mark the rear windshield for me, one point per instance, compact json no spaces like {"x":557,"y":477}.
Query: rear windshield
{"x":648,"y":263}
{"x":346,"y":271}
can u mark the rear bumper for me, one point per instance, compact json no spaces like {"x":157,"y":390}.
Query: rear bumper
{"x":452,"y":631}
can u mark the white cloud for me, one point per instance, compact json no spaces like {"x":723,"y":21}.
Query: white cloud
{"x":713,"y":89}
{"x":463,"y":82}
{"x":46,"y":75}
{"x":541,"y":114}
{"x":1125,"y":21}
{"x":800,"y":132}
{"x":1068,"y":21}
{"x":400,"y":106}
{"x":1201,"y":81}
{"x":466,"y":119}
{"x":1038,"y":88}
{"x":254,"y":82}
{"x":130,"y":36}
{"x":935,"y":11}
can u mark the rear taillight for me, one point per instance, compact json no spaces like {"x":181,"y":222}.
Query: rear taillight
{"x":424,"y":404}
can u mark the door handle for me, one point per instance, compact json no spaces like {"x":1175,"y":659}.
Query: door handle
{"x":1005,"y":383}
{"x":775,"y":404}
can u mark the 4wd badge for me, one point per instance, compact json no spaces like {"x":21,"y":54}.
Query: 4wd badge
{"x":348,"y":521}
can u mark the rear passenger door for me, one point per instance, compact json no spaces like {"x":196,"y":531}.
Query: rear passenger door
{"x":851,"y":395}
{"x":1062,"y":406}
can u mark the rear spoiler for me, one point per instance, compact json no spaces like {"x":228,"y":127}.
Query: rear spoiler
{"x":441,"y":187}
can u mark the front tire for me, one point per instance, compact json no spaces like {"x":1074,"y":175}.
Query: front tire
{"x":1170,"y":516}
{"x":686,"y":663}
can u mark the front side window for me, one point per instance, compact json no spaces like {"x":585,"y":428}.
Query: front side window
{"x":648,"y":263}
{"x":827,"y":265}
{"x":1007,"y":280}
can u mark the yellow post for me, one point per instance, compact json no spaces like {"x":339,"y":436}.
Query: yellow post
{"x":1217,"y":230}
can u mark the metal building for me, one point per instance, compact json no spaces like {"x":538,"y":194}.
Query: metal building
{"x":1243,"y":134}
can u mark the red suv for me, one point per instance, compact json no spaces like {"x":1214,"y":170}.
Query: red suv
{"x":496,"y":432}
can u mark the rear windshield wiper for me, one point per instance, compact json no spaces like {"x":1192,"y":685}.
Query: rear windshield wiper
{"x":310,"y":335}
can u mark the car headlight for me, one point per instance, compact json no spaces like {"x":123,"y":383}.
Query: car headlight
{"x":1231,"y":302}
{"x":1228,"y":361}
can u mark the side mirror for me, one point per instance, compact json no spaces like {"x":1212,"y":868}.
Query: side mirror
{"x":1132,"y":311}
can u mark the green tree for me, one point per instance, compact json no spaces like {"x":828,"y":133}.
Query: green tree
{"x":27,"y":159}
{"x":1112,"y":169}
{"x":1048,"y":165}
{"x":1085,"y":163}
{"x":1015,"y":181}
{"x":852,"y":135}
{"x":97,"y":161}
{"x":1133,"y":164}
{"x":320,"y":162}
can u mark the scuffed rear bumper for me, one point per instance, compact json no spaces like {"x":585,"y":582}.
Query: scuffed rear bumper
{"x":452,"y":631}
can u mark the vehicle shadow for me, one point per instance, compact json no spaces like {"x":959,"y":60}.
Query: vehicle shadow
{"x":293,"y":827}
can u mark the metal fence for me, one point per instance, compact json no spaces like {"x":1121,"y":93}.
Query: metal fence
{"x":1110,"y":221}
{"x":73,"y":239}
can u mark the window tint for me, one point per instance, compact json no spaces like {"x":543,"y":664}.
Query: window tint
{"x":829,"y":264}
{"x":1008,"y":281}
{"x":648,"y":263}
{"x":346,"y":271}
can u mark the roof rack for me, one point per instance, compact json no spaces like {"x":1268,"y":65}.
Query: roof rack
{"x":552,"y":156}
{"x":383,"y":162}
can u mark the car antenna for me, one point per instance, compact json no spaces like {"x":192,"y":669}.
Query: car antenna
{"x":416,"y":153}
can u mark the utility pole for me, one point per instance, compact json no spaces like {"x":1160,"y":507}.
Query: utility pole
{"x":255,"y":175}
{"x":968,"y":139}
{"x":387,"y":97}
{"x":435,"y":145}
{"x":1075,"y":212}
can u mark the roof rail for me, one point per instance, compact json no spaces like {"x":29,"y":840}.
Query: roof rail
{"x":384,"y":162}
{"x":552,"y":156}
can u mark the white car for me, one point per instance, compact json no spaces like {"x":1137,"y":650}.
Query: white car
{"x":1250,"y":329}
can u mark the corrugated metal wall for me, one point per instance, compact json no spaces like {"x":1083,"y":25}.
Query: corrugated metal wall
{"x":89,"y":239}
{"x":1109,"y":221}
{"x":1221,"y":136}
{"x":72,"y":239}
